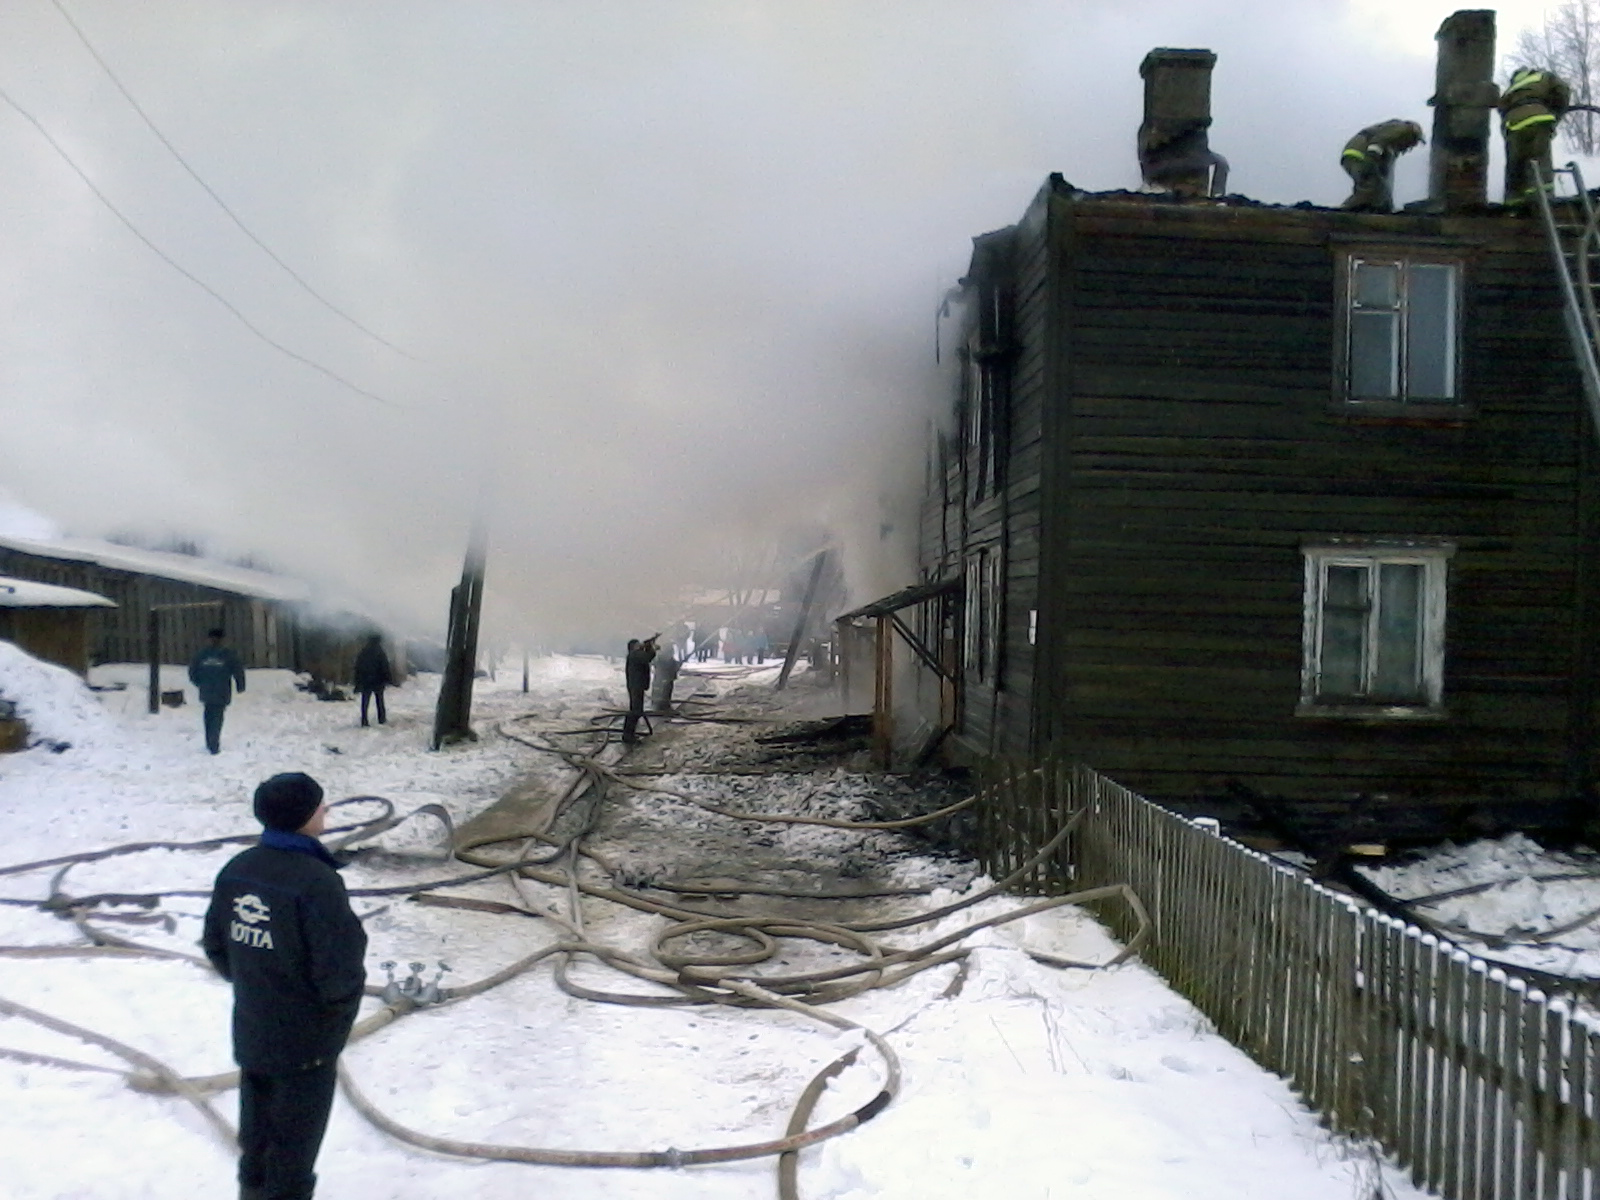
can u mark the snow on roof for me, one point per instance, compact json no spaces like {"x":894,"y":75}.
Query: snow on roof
{"x":24,"y":593}
{"x":162,"y":563}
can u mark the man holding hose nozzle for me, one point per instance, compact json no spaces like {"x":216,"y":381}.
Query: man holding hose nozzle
{"x":280,"y":929}
{"x":636,"y":670}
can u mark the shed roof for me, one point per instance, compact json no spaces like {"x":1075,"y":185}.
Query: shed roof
{"x":24,"y":593}
{"x":905,"y":598}
{"x":163,"y":564}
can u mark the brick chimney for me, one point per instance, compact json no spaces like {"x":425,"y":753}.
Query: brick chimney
{"x":1174,"y":153}
{"x":1464,"y":94}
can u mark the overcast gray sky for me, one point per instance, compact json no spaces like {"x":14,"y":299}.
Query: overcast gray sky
{"x":668,"y":271}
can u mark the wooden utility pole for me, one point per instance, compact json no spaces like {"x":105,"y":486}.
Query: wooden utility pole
{"x":452,"y":719}
{"x":153,"y":645}
{"x":803,"y":621}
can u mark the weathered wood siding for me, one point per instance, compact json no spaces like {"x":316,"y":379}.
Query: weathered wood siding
{"x":56,"y":635}
{"x":120,"y":634}
{"x":1192,"y":448}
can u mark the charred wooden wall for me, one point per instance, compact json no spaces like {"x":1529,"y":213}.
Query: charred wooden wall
{"x":1192,"y":445}
{"x":1011,"y":280}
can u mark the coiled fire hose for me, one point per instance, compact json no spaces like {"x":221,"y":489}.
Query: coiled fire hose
{"x":696,"y":979}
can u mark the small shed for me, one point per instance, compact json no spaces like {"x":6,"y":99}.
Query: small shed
{"x":48,"y":621}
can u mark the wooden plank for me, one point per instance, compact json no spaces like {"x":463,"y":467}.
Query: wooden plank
{"x":1452,"y":1055}
{"x":1413,"y":1078}
{"x":1475,"y":1085}
{"x":1589,"y":1148}
{"x":1549,"y":1114}
{"x":1574,"y":1113}
{"x":1529,"y":1029}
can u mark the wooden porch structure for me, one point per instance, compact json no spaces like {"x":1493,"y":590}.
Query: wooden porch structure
{"x":886,"y":622}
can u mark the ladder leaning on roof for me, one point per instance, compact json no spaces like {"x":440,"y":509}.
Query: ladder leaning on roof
{"x":1575,"y":246}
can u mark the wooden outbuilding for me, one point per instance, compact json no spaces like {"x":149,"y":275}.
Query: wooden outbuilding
{"x":49,"y":622}
{"x":1287,"y":504}
{"x":270,"y":620}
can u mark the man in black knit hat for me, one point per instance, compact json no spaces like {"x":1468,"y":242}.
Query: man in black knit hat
{"x":280,"y":929}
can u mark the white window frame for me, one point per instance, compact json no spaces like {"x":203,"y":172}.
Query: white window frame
{"x":1434,"y":558}
{"x":1403,"y":261}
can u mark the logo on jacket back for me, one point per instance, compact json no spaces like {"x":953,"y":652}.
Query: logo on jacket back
{"x":251,"y":910}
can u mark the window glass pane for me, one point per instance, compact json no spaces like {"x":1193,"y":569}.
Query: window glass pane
{"x":1377,"y":285}
{"x":1373,"y":356}
{"x":1398,"y":675}
{"x":1430,"y":333}
{"x":1344,"y":627}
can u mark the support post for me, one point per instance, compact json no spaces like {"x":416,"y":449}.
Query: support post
{"x":153,"y":647}
{"x":883,"y":699}
{"x":524,"y":668}
{"x":452,"y":720}
{"x":841,"y":631}
{"x":805,"y":618}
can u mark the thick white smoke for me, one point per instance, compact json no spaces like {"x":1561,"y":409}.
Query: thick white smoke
{"x":668,"y":271}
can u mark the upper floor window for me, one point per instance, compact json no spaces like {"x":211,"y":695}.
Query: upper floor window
{"x":1374,"y":628}
{"x":1402,"y":317}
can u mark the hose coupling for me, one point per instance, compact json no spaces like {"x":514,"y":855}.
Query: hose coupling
{"x":431,"y":992}
{"x":392,"y":991}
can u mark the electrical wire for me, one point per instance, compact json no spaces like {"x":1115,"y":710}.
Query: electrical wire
{"x":205,"y":287}
{"x":210,"y":191}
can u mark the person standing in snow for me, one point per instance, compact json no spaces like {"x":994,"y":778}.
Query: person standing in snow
{"x":280,"y":929}
{"x":215,"y":671}
{"x":636,"y":671}
{"x":372,"y":674}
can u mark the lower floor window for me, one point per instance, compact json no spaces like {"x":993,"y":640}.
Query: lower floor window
{"x":1374,"y":625}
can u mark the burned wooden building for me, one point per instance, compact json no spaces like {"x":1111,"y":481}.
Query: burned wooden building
{"x":1283,"y":501}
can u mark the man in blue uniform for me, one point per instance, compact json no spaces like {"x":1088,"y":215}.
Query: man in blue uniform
{"x":215,"y":671}
{"x":281,"y":931}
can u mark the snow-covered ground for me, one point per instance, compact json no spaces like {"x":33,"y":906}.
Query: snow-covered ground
{"x":1520,"y":903}
{"x":1021,"y":1081}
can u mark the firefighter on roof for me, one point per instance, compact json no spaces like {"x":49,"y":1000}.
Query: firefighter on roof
{"x":1530,"y":109}
{"x":1368,"y":159}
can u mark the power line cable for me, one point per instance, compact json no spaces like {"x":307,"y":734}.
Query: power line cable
{"x":180,"y":268}
{"x":210,"y":191}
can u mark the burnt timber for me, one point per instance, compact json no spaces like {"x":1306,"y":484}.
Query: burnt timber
{"x":1149,"y":429}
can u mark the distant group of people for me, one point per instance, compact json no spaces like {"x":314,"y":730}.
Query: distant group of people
{"x":735,"y":646}
{"x":1531,"y":107}
{"x":216,"y":671}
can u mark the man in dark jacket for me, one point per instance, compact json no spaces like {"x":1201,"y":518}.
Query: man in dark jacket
{"x":215,"y":671}
{"x":372,"y":674}
{"x":281,"y":931}
{"x":636,"y":670}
